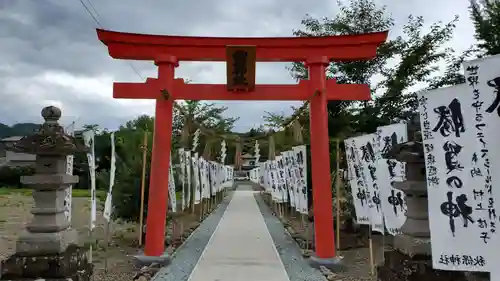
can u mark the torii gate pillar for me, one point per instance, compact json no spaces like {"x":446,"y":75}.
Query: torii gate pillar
{"x":320,"y":166}
{"x":160,"y":160}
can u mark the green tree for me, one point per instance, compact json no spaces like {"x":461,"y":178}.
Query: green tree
{"x":486,"y":19}
{"x":401,"y":62}
{"x":129,"y":139}
{"x":274,"y":120}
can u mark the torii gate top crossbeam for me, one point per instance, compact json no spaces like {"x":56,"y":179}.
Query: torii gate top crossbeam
{"x":134,"y":46}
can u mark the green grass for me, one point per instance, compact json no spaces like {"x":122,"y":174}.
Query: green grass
{"x":101,"y":194}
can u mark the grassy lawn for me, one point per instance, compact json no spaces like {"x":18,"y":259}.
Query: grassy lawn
{"x":26,"y":191}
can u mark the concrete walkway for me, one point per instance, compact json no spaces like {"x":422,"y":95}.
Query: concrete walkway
{"x":241,"y":247}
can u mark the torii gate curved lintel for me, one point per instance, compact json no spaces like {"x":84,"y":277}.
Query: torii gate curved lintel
{"x":316,"y":52}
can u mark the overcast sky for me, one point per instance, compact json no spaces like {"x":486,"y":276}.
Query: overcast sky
{"x":50,"y":55}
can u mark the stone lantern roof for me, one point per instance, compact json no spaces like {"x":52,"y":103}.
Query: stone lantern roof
{"x":50,"y":138}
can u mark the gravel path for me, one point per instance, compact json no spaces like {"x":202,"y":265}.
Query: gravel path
{"x":187,"y":255}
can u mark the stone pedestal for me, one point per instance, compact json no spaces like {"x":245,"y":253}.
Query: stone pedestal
{"x":410,"y":257}
{"x":47,"y":248}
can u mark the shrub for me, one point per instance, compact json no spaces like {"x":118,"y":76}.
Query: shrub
{"x":127,"y":193}
{"x":11,"y":176}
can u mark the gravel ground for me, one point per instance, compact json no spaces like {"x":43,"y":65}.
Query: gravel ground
{"x":296,"y":266}
{"x":356,"y":254}
{"x":15,"y":212}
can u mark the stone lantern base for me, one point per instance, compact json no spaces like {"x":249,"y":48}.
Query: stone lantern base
{"x":70,"y":265}
{"x":402,"y":267}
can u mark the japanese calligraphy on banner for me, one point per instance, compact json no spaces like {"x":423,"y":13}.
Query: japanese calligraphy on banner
{"x":459,"y":214}
{"x":182,"y":177}
{"x":89,"y":140}
{"x":273,"y":175}
{"x":212,"y":173}
{"x":388,"y":171}
{"x":483,"y":82}
{"x":187,"y":162}
{"x":280,"y":169}
{"x":204,"y":180}
{"x":364,"y":181}
{"x":290,"y":183}
{"x":197,"y":179}
{"x":171,"y":187}
{"x":300,"y":155}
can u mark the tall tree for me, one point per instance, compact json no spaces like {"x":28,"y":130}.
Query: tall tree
{"x":129,"y":140}
{"x":401,"y":62}
{"x":486,"y":19}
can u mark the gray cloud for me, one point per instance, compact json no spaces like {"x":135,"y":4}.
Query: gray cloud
{"x":51,"y":55}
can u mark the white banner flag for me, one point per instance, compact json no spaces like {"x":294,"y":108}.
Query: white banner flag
{"x":172,"y":195}
{"x":359,"y":188}
{"x":459,"y":217}
{"x":69,"y":171}
{"x":182,"y":177}
{"x":108,"y":205}
{"x":197,"y":180}
{"x":388,"y":171}
{"x":483,"y":81}
{"x":301,"y":159}
{"x":187,"y":162}
{"x":89,"y":140}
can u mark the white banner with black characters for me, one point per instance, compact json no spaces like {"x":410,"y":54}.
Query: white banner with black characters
{"x":220,"y":176}
{"x":108,"y":204}
{"x":89,"y":140}
{"x":388,"y":171}
{"x":254,"y":175}
{"x":280,"y":169}
{"x":171,"y":187}
{"x":288,"y":155}
{"x":459,"y":216}
{"x":262,"y":170}
{"x":197,"y":180}
{"x":212,"y":173}
{"x":364,"y":147}
{"x":182,"y":177}
{"x":204,"y":180}
{"x":230,"y":175}
{"x":187,"y":162}
{"x":297,"y":181}
{"x":267,"y":177}
{"x":359,"y":188}
{"x":273,"y":173}
{"x":300,"y":154}
{"x":69,"y":171}
{"x":483,"y":81}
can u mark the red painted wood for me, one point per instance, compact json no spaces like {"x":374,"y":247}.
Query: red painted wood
{"x":160,"y":163}
{"x":151,"y":90}
{"x":320,"y":166}
{"x":123,"y":45}
{"x":166,"y":51}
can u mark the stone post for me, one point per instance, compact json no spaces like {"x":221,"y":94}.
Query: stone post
{"x":410,"y":258}
{"x":47,"y":248}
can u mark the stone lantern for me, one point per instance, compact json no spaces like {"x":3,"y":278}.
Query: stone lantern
{"x":47,"y":248}
{"x":410,"y":259}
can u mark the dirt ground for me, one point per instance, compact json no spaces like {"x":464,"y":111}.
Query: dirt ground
{"x":123,"y":241}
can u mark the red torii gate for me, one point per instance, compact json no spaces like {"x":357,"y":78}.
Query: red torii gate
{"x":316,"y":52}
